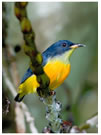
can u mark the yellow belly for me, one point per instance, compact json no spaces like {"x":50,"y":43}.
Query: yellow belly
{"x":57,"y":72}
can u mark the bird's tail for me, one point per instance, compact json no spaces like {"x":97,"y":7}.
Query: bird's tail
{"x":19,"y":97}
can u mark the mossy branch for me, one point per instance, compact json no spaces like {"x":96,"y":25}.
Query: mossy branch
{"x":52,"y":105}
{"x":30,"y":48}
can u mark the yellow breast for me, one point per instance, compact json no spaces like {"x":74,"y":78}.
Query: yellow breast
{"x":57,"y":71}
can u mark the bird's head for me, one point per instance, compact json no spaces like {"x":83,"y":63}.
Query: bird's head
{"x":62,"y":47}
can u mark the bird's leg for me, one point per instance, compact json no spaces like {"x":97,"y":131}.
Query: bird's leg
{"x":43,"y":92}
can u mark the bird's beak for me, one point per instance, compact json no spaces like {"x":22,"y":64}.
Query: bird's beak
{"x":77,"y":46}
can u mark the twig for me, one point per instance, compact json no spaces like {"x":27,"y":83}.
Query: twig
{"x":11,"y":64}
{"x":53,"y":106}
{"x":26,"y":112}
{"x":76,"y":129}
{"x":19,"y":118}
{"x":30,"y":48}
{"x":9,"y":57}
{"x":29,"y":118}
{"x":93,"y":121}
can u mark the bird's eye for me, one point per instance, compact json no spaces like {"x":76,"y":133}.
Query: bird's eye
{"x":64,"y":44}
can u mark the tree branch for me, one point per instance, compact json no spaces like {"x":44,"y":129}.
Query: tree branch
{"x":93,"y":121}
{"x":52,"y":106}
{"x":30,"y":48}
{"x":26,"y":112}
{"x":19,"y":119}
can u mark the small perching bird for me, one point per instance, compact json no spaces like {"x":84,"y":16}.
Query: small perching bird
{"x":56,"y":64}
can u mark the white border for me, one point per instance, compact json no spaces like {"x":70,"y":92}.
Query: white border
{"x":1,"y":66}
{"x":50,"y":0}
{"x":99,"y":67}
{"x":99,"y":57}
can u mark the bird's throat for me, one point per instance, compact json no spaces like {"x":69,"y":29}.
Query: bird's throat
{"x":65,"y":58}
{"x":69,"y":53}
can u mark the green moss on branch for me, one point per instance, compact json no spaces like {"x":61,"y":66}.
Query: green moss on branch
{"x":30,"y":48}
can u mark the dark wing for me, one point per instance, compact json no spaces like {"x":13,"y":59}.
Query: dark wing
{"x":46,"y":54}
{"x":29,"y":71}
{"x":26,"y":75}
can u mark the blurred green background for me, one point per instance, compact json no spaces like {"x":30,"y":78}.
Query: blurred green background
{"x":75,"y":21}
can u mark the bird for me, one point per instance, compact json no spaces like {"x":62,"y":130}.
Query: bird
{"x":56,"y":65}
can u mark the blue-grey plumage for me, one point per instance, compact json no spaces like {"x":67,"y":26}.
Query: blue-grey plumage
{"x":55,"y":49}
{"x":56,"y":65}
